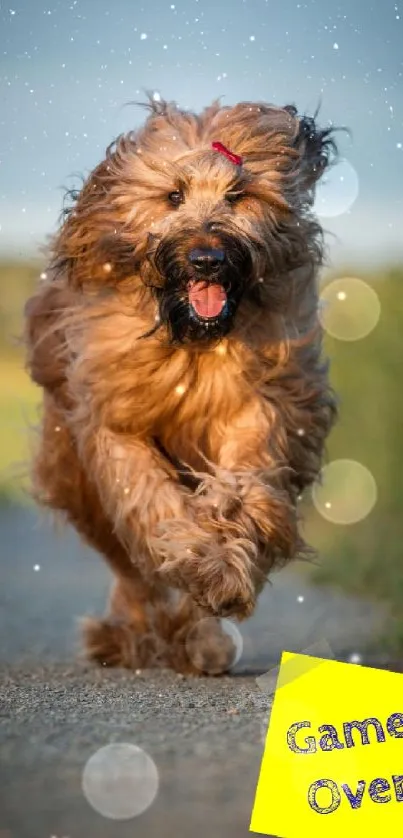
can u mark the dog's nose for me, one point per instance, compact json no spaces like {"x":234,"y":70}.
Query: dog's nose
{"x":205,"y":260}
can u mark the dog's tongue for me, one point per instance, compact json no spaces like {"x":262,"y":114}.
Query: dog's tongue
{"x":208,"y":299}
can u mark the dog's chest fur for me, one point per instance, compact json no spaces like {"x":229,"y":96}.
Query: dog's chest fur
{"x":208,"y":390}
{"x":184,"y":397}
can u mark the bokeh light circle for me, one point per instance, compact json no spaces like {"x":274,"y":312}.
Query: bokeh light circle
{"x":213,"y":651}
{"x":120,"y":781}
{"x":349,"y":309}
{"x":347,"y":492}
{"x":233,"y":632}
{"x":337,"y":190}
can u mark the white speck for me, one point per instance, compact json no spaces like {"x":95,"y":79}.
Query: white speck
{"x":57,"y":429}
{"x":165,"y":46}
{"x":301,"y":432}
{"x":107,"y":267}
{"x":328,"y":505}
{"x":300,"y":598}
{"x":335,"y":46}
{"x":126,"y":490}
{"x":252,"y":38}
{"x":180,"y":389}
{"x":143,"y":36}
{"x":37,"y":567}
{"x":399,"y":145}
{"x":355,"y":658}
{"x":43,"y":275}
{"x":12,"y":11}
{"x":172,"y":7}
{"x":156,"y":96}
{"x":342,"y":295}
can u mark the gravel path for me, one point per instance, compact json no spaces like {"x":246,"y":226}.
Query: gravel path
{"x":206,"y":739}
{"x":205,"y":736}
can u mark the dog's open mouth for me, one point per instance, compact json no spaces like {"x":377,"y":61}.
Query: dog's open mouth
{"x":208,"y":299}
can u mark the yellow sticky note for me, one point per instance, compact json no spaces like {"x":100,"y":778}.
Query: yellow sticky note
{"x":333,"y":758}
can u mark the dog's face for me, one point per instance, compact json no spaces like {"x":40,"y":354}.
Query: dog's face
{"x":201,"y":270}
{"x":210,"y":213}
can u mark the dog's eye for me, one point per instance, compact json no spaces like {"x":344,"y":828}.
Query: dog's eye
{"x":233,"y":197}
{"x":176,"y":197}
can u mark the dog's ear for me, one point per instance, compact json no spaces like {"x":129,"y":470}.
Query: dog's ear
{"x":316,"y":147}
{"x":43,"y":335}
{"x":94,"y":246}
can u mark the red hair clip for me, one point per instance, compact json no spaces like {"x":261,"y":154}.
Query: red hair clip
{"x":222,"y":149}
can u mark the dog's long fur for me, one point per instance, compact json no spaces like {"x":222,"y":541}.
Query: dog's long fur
{"x":180,"y":455}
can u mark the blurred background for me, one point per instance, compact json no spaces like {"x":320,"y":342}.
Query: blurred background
{"x":68,"y":72}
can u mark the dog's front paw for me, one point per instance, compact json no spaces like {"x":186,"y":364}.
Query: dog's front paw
{"x":224,"y":583}
{"x":242,"y":505}
{"x":225,"y":597}
{"x":218,"y":575}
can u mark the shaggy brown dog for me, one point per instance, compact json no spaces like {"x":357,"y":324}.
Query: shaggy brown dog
{"x":186,"y":403}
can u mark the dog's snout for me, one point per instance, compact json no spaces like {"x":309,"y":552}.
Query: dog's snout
{"x":205,"y":260}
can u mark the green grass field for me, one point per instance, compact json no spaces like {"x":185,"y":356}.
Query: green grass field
{"x":19,"y":400}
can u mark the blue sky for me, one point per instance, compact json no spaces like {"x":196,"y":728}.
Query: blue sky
{"x":68,"y":69}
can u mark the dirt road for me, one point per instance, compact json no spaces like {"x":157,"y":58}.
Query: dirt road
{"x":205,"y":736}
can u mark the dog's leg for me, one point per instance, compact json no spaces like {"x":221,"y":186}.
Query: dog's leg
{"x":148,"y":628}
{"x":141,"y":496}
{"x":252,"y":490}
{"x":126,"y":636}
{"x":129,"y":541}
{"x":165,"y":529}
{"x":247,"y":516}
{"x":137,"y":488}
